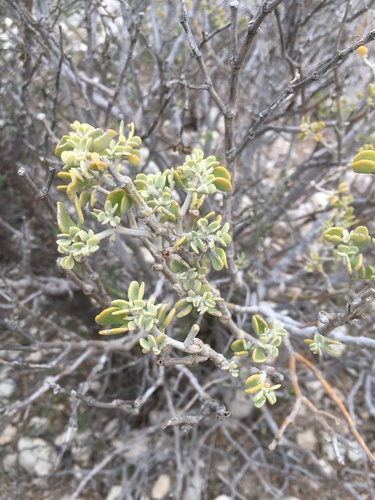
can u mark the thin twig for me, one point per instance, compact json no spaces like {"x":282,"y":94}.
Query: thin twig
{"x":339,"y":403}
{"x":295,"y":85}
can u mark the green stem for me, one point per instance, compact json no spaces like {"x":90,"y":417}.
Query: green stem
{"x":186,"y":204}
{"x":105,"y":233}
{"x":139,"y":233}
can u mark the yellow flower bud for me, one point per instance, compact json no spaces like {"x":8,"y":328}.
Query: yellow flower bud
{"x":362,"y":51}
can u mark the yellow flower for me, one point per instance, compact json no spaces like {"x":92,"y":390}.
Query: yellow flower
{"x":362,"y":51}
{"x":318,"y":137}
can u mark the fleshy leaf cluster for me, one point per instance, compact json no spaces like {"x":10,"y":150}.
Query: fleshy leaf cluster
{"x":348,"y":247}
{"x":198,"y":294}
{"x":342,"y":210}
{"x":320,"y":344}
{"x":208,"y":235}
{"x":267,"y":344}
{"x":128,"y":315}
{"x":78,"y":244}
{"x":262,"y":391}
{"x":202,"y":175}
{"x":108,"y":215}
{"x":155,"y":344}
{"x":86,"y":150}
{"x":232,"y":367}
{"x":268,"y":341}
{"x":156,"y":189}
{"x":313,"y":129}
{"x":73,"y":241}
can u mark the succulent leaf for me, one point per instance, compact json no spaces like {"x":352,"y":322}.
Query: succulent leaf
{"x":258,"y":355}
{"x":103,"y":141}
{"x":364,"y":162}
{"x":259,"y":325}
{"x":133,"y":290}
{"x":333,"y":235}
{"x":222,"y":184}
{"x":63,"y":219}
{"x":106,"y":317}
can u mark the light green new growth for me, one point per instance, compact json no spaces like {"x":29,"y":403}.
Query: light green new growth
{"x":348,"y":244}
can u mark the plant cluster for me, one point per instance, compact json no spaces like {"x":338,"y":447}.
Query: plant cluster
{"x":189,"y":244}
{"x":182,"y":265}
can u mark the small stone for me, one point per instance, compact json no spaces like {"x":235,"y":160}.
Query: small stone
{"x":241,"y":406}
{"x":10,"y":463}
{"x":80,"y":449}
{"x":82,"y":454}
{"x":35,"y":357}
{"x":111,"y":427}
{"x":140,"y":448}
{"x":78,"y":474}
{"x":355,"y":454}
{"x":95,"y":386}
{"x":38,"y":426}
{"x":161,"y":487}
{"x":8,"y":435}
{"x":307,"y":439}
{"x":326,"y":468}
{"x":114,"y":493}
{"x":316,"y":388}
{"x":7,"y":388}
{"x":61,"y":438}
{"x":36,"y":456}
{"x":9,"y":355}
{"x":328,"y":450}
